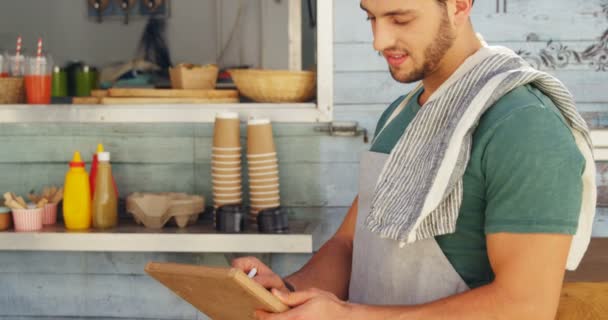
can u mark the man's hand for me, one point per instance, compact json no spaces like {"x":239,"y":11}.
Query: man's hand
{"x":309,"y":304}
{"x":265,"y":276}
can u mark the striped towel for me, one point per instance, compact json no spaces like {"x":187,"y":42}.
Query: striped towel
{"x":419,"y":192}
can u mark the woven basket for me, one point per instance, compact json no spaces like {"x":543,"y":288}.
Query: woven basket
{"x":12,"y":90}
{"x":275,"y":86}
{"x":187,"y":76}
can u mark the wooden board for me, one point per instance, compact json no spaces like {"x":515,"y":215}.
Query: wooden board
{"x":594,"y":267}
{"x":99,"y":93}
{"x":85,"y":100}
{"x":172,"y":93}
{"x":220,"y":293}
{"x":113,"y":100}
{"x":584,"y":301}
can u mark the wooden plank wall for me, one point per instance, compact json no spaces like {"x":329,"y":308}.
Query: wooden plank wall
{"x":318,"y":173}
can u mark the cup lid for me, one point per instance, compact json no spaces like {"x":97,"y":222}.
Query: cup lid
{"x":227,"y":115}
{"x":5,"y":210}
{"x":255,"y":122}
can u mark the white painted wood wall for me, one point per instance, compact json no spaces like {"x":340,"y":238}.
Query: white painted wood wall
{"x":319,"y":173}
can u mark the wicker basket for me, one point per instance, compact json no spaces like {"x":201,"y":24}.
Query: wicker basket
{"x":188,"y":76}
{"x":12,"y":90}
{"x":275,"y":86}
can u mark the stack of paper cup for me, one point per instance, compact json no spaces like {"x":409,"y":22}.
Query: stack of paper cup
{"x":263,"y":167}
{"x":226,"y":161}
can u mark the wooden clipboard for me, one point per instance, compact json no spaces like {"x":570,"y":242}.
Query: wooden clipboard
{"x":220,"y":293}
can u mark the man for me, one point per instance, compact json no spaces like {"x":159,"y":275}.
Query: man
{"x":519,"y":200}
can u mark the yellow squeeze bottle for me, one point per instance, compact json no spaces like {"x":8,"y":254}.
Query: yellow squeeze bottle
{"x":77,"y":196}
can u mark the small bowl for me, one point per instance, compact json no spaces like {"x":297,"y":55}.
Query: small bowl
{"x":49,"y":214}
{"x":28,"y":219}
{"x":5,"y":218}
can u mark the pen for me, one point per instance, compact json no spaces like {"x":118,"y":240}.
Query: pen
{"x":252,"y":273}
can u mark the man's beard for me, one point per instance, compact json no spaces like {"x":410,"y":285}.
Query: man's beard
{"x":433,"y":55}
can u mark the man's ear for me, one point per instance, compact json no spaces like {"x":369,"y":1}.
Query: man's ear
{"x":462,"y":11}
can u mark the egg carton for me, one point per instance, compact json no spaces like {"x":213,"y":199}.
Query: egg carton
{"x":154,"y":210}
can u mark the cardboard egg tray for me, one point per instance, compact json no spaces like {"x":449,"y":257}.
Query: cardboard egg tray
{"x":154,"y":210}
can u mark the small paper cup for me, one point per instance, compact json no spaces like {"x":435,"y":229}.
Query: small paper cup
{"x":28,"y":219}
{"x":49,"y":215}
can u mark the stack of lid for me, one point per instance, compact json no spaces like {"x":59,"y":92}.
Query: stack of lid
{"x":226,"y":160}
{"x":263,"y":167}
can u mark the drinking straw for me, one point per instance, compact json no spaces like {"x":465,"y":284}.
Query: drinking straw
{"x":38,"y":55}
{"x":18,"y":53}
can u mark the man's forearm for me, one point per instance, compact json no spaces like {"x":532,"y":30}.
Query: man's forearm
{"x":321,"y":271}
{"x":487,"y":303}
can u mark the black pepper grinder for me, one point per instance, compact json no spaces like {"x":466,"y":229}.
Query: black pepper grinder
{"x":274,"y":220}
{"x":230,"y":219}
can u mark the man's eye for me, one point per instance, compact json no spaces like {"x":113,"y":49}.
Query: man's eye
{"x":370,"y":18}
{"x":401,"y":22}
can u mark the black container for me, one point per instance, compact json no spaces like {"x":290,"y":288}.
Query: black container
{"x":273,"y":220}
{"x":230,"y":219}
{"x":71,"y":69}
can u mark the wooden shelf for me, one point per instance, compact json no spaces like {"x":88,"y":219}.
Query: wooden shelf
{"x":159,"y":113}
{"x":129,"y":237}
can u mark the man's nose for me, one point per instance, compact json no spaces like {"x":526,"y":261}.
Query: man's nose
{"x":383,"y":36}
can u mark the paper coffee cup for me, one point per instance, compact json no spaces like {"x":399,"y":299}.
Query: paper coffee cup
{"x":226,"y":183}
{"x":226,"y":151}
{"x":266,"y":178}
{"x":226,"y":176}
{"x":226,"y":163}
{"x":219,"y":203}
{"x":228,"y":195}
{"x":232,"y":189}
{"x":263,"y":174}
{"x":264,"y":187}
{"x":220,"y":171}
{"x":226,"y":132}
{"x":259,"y":137}
{"x":264,"y":168}
{"x":266,"y":205}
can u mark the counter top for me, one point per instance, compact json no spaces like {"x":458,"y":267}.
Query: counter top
{"x":129,"y":237}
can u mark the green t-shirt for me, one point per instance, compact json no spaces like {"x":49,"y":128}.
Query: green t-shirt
{"x":523,"y":176}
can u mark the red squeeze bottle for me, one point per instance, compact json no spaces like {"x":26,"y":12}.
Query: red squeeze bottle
{"x":93,"y":174}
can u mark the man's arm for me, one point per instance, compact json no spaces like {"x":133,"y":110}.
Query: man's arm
{"x":329,"y":269}
{"x":529,"y":271}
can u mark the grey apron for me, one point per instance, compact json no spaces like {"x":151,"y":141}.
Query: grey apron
{"x":385,"y":274}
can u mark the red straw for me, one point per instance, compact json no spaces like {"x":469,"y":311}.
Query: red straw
{"x":16,"y":72}
{"x":18,"y":45}
{"x":39,"y":52}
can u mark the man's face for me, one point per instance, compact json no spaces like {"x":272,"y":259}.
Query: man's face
{"x":413,"y":35}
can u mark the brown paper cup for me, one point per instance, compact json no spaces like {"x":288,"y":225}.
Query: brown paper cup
{"x":263,"y":182}
{"x":231,"y":151}
{"x":227,"y":182}
{"x":225,"y":171}
{"x":227,"y":196}
{"x":219,"y":203}
{"x":227,"y":189}
{"x":262,"y":162}
{"x":263,"y":175}
{"x":226,"y":163}
{"x":274,"y":193}
{"x":259,"y":137}
{"x":226,"y":176}
{"x":264,"y":167}
{"x":265,"y":205}
{"x":226,"y":132}
{"x":259,"y":187}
